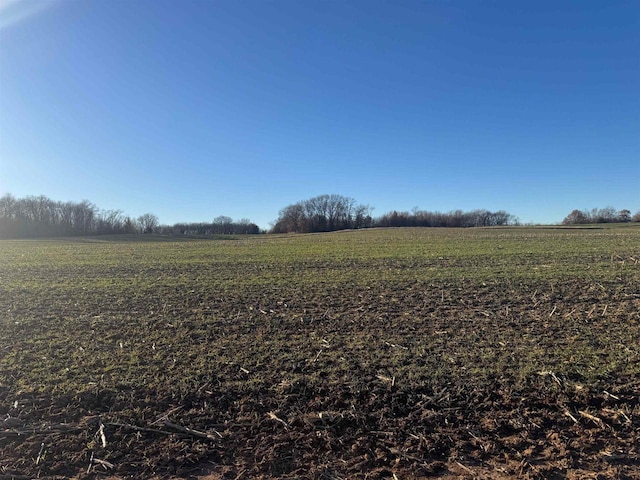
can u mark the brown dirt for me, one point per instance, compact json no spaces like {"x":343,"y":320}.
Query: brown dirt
{"x":372,"y":383}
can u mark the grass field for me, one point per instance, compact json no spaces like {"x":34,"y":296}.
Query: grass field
{"x":385,"y":353}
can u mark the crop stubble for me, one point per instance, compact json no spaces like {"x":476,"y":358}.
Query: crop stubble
{"x":480,"y":353}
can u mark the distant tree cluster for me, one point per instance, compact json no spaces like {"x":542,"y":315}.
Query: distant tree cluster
{"x":33,"y":217}
{"x":324,"y":213}
{"x":600,"y":215}
{"x":220,"y":226}
{"x":42,"y":217}
{"x":456,"y":218}
{"x":335,"y":212}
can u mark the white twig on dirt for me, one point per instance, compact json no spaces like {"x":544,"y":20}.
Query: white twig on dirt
{"x":464,"y":467}
{"x":617,"y":412}
{"x":90,"y":464}
{"x":165,"y":416}
{"x":552,"y":375}
{"x":273,"y":416}
{"x":553,"y":311}
{"x":104,"y":463}
{"x":610,"y":395}
{"x":568,"y":414}
{"x":137,"y":428}
{"x":393,"y":345}
{"x":103,"y":437}
{"x":593,"y":418}
{"x":40,"y":456}
{"x":192,"y":432}
{"x":178,"y":428}
{"x":389,"y":380}
{"x":625,"y":416}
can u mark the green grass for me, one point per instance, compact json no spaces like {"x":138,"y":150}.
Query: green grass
{"x":61,"y":298}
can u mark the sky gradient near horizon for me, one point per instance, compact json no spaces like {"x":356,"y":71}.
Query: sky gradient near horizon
{"x":193,"y":109}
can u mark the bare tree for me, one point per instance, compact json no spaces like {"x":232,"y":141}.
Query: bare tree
{"x":147,"y":222}
{"x":223,"y":225}
{"x":83,"y":217}
{"x":624,"y":215}
{"x":291,"y":219}
{"x":576,"y":217}
{"x":322,"y":214}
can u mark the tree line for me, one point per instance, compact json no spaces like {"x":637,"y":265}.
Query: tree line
{"x":39,"y":216}
{"x":336,"y":212}
{"x":42,"y":217}
{"x":600,"y":215}
{"x":221,"y":225}
{"x":456,"y":218}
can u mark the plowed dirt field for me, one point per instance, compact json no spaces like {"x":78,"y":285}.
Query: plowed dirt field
{"x":396,"y":353}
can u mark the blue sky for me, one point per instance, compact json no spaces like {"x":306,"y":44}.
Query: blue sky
{"x":192,"y":109}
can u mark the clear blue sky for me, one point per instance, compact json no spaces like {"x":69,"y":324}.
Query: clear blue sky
{"x":191,"y":109}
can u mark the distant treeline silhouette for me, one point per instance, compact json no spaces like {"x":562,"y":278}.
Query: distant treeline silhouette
{"x":456,"y":218}
{"x":33,"y":217}
{"x":336,"y":212}
{"x":600,"y":215}
{"x":220,"y":226}
{"x":39,"y":216}
{"x":43,"y":217}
